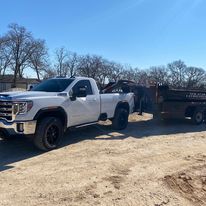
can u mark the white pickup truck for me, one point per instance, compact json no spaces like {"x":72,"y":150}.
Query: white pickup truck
{"x":45,"y":112}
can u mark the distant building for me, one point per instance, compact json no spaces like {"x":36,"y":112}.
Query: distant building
{"x":6,"y":83}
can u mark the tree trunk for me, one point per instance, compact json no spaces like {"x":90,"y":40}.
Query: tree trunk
{"x":37,"y":73}
{"x":17,"y":69}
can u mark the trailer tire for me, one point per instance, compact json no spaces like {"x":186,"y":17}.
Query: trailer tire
{"x":198,"y":117}
{"x":120,"y":120}
{"x":48,"y":134}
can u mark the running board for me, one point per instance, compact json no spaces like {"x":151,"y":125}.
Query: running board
{"x":84,"y":125}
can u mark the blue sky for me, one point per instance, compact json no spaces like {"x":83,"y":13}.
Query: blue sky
{"x":137,"y":32}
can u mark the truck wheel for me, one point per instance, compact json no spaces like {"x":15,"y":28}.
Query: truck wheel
{"x":48,"y":134}
{"x":198,"y":117}
{"x":120,"y":119}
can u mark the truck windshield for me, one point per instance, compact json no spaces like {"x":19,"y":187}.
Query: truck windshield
{"x":53,"y":85}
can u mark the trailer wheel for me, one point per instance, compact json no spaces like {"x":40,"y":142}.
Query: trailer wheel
{"x":120,"y":119}
{"x":48,"y":134}
{"x":198,"y":117}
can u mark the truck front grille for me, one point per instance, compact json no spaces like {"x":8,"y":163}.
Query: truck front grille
{"x":6,"y":110}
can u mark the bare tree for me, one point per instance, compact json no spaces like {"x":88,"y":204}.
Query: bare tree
{"x":89,"y":66}
{"x":61,"y":61}
{"x":96,"y":63}
{"x":49,"y":73}
{"x":104,"y":72}
{"x":128,"y":73}
{"x":19,"y":51}
{"x":38,"y":60}
{"x":134,"y":74}
{"x":159,"y":74}
{"x":116,"y":71}
{"x":195,"y":77}
{"x":21,"y":45}
{"x":142,"y":77}
{"x":72,"y":63}
{"x":177,"y":73}
{"x":5,"y":56}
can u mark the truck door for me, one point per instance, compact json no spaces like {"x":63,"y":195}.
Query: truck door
{"x":84,"y":109}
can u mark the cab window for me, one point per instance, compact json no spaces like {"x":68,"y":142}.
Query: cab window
{"x":83,"y":83}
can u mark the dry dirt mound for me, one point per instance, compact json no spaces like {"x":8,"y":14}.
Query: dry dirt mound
{"x":191,"y":184}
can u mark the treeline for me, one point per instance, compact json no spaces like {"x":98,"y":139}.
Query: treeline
{"x":20,"y":52}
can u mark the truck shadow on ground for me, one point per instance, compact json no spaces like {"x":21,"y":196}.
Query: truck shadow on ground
{"x":15,"y":150}
{"x":137,"y":129}
{"x":19,"y":148}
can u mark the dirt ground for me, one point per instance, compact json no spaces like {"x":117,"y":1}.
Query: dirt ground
{"x":149,"y":163}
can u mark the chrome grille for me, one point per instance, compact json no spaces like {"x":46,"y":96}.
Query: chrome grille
{"x":6,"y":110}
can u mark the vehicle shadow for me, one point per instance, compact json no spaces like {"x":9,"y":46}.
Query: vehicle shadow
{"x":20,"y":148}
{"x":14,"y":150}
{"x":135,"y":129}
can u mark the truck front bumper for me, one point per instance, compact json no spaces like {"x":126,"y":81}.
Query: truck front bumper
{"x":25,"y":128}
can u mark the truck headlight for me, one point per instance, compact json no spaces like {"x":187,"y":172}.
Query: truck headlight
{"x":23,"y":107}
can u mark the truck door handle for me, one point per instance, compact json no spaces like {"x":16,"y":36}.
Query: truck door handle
{"x":92,"y":100}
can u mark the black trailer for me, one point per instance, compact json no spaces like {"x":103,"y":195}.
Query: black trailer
{"x":163,"y":102}
{"x":181,"y":103}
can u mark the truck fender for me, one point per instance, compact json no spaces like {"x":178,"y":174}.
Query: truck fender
{"x":122,"y":104}
{"x":54,"y":112}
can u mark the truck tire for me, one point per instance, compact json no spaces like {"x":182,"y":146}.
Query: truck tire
{"x":120,"y":119}
{"x":48,"y":134}
{"x":198,"y":117}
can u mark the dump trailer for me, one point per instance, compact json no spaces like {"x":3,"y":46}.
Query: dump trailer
{"x":163,"y":102}
{"x":181,"y":103}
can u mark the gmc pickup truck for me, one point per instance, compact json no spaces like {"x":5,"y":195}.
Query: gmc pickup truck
{"x":45,"y":112}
